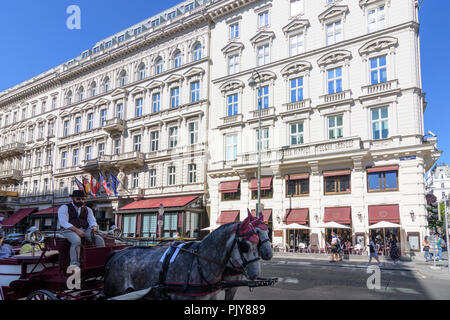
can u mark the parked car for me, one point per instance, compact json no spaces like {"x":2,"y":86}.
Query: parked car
{"x":15,"y":239}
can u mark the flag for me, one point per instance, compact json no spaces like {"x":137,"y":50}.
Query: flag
{"x":87,"y":186}
{"x":106,"y":185}
{"x":94,"y":186}
{"x":79,"y":184}
{"x":114,"y":184}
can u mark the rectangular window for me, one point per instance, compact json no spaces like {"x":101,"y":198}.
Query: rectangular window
{"x":175,"y":97}
{"x":233,"y":64}
{"x":296,"y":133}
{"x":231,"y":196}
{"x":335,"y":127}
{"x":334,"y":33}
{"x":378,"y":73}
{"x":297,"y":89}
{"x":193,"y":133}
{"x":121,"y":38}
{"x":234,"y":31}
{"x":232,"y":105}
{"x":195,"y":91}
{"x":334,"y":80}
{"x":383,"y":181}
{"x":192,"y":173}
{"x":41,"y":131}
{"x":66,"y":128}
{"x":129,"y":226}
{"x":156,"y":98}
{"x":103,"y":114}
{"x":173,"y":137}
{"x":296,"y":7}
{"x":45,"y":186}
{"x":189,"y":7}
{"x":263,"y":55}
{"x":137,"y":31}
{"x":49,"y":157}
{"x":75,"y":157}
{"x":138,"y":108}
{"x":38,"y":159}
{"x":171,"y":15}
{"x":296,"y":188}
{"x":43,"y":106}
{"x":63,"y":159}
{"x":155,"y":23}
{"x":380,"y":123}
{"x":170,"y":224}
{"x":137,"y":143}
{"x":154,"y":141}
{"x":33,"y":110}
{"x":264,"y":139}
{"x":231,"y":147}
{"x":149,"y":225}
{"x":117,"y":146}
{"x":119,"y":111}
{"x":152,"y":178}
{"x":24,"y":114}
{"x":263,"y":19}
{"x":296,"y":44}
{"x":88,"y":153}
{"x":53,"y":103}
{"x":337,"y":184}
{"x":171,"y":176}
{"x":376,"y":19}
{"x":263,"y":98}
{"x":90,"y":123}
{"x":101,"y":149}
{"x":135,"y":180}
{"x":77,"y":124}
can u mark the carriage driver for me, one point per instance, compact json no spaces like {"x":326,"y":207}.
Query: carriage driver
{"x":77,"y":222}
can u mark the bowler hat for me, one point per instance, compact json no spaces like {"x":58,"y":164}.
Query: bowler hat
{"x":78,"y":194}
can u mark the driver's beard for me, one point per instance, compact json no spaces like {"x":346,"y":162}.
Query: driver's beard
{"x":78,"y":204}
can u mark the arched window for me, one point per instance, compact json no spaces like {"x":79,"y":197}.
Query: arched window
{"x":106,"y":85}
{"x":123,"y":78}
{"x":197,"y":52}
{"x":142,"y":71}
{"x":69,"y":97}
{"x":177,"y":59}
{"x":159,"y":66}
{"x":93,"y":89}
{"x":81,"y":94}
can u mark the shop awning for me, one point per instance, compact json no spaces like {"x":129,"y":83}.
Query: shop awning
{"x":228,"y":216}
{"x":382,"y":169}
{"x":299,"y":216}
{"x":266,"y":214}
{"x":173,"y":202}
{"x":338,"y":214}
{"x":229,"y":186}
{"x":266,"y":184}
{"x":17,"y":217}
{"x":389,"y":213}
{"x":50,"y":210}
{"x":296,"y":176}
{"x":336,"y":173}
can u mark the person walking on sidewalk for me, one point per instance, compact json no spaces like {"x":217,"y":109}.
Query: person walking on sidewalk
{"x":373,"y":252}
{"x":394,"y":250}
{"x":426,"y":247}
{"x":334,"y":247}
{"x":433,"y":246}
{"x":440,"y":244}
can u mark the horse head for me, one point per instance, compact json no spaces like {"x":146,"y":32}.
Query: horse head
{"x":245,"y":254}
{"x":264,"y":245}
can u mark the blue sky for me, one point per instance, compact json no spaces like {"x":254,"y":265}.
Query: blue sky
{"x":36,"y":39}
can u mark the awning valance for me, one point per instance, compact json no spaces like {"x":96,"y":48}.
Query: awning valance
{"x":299,"y":216}
{"x":382,"y":169}
{"x":172,"y":202}
{"x":51,"y":210}
{"x":336,"y":173}
{"x":228,"y":216}
{"x":299,"y":176}
{"x":229,"y":186}
{"x":266,"y":184}
{"x":17,"y":217}
{"x":389,"y":213}
{"x":338,"y":214}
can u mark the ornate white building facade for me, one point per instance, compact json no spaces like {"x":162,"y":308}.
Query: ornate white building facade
{"x":438,"y":181}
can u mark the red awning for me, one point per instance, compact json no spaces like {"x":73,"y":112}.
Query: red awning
{"x":229,"y":186}
{"x":266,"y":184}
{"x":336,"y":173}
{"x":297,"y":176}
{"x":339,"y":215}
{"x":50,"y":210}
{"x":382,"y":169}
{"x":17,"y":216}
{"x":228,"y":216}
{"x":299,"y":216}
{"x":389,"y":213}
{"x":154,"y":203}
{"x":266,"y":214}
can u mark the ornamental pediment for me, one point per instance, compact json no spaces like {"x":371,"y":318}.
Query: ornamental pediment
{"x":365,"y":3}
{"x":75,"y":110}
{"x":232,"y":85}
{"x":88,"y":106}
{"x":233,"y":46}
{"x":137,"y":90}
{"x":119,"y":91}
{"x":174,"y":78}
{"x":193,"y":72}
{"x":334,"y":57}
{"x":296,"y":67}
{"x":51,"y":117}
{"x":64,"y":114}
{"x":265,"y":76}
{"x":262,"y":36}
{"x":378,"y":45}
{"x":155,"y":84}
{"x":333,"y":12}
{"x":101,"y":101}
{"x":295,"y":25}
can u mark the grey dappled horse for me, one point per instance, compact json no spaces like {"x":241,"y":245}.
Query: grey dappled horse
{"x":265,"y":251}
{"x":138,"y":268}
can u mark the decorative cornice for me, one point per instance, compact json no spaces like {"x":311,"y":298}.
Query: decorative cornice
{"x":378,"y":45}
{"x":296,"y":24}
{"x":233,"y":46}
{"x":296,"y":68}
{"x":262,"y":36}
{"x":333,"y":12}
{"x":334,"y":57}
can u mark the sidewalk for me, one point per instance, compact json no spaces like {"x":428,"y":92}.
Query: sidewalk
{"x":413,"y":264}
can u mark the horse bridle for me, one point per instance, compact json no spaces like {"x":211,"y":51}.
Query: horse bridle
{"x":243,"y":247}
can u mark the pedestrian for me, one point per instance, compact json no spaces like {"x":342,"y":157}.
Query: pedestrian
{"x":334,"y":247}
{"x":394,"y":250}
{"x":426,"y":247}
{"x":6,"y":250}
{"x":433,"y":245}
{"x":440,"y":244}
{"x":373,"y":252}
{"x":340,"y":251}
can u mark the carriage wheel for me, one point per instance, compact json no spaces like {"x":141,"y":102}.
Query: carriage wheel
{"x":41,"y":295}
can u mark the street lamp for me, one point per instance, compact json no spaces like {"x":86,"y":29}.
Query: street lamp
{"x":252,"y":83}
{"x":446,"y":231}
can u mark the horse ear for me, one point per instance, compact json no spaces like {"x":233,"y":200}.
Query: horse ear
{"x":250,"y":216}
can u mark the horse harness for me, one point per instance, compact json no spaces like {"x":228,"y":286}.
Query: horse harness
{"x":205,"y":287}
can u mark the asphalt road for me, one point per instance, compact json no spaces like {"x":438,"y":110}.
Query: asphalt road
{"x":314,"y":280}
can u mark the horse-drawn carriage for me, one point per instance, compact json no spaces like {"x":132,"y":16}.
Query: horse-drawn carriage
{"x":118,"y":271}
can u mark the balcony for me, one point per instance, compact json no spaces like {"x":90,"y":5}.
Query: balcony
{"x":94,"y":165}
{"x":267,"y":113}
{"x":129,"y":160}
{"x":335,"y":98}
{"x":12,"y":176}
{"x":11,"y":150}
{"x":380,"y":88}
{"x":231,"y":121}
{"x":296,"y":107}
{"x":115,"y":125}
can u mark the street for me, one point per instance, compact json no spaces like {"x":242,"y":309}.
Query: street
{"x":309,"y":279}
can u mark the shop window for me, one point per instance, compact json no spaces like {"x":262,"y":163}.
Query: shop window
{"x":338,"y":184}
{"x":382,"y":181}
{"x":296,"y":188}
{"x":265,"y":194}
